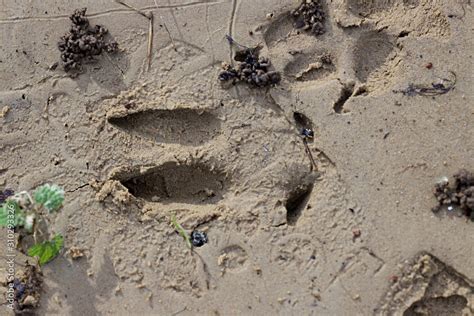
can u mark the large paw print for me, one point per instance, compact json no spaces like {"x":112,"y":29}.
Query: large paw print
{"x":359,"y":53}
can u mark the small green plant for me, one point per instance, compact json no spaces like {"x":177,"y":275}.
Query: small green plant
{"x":26,"y":213}
{"x":177,"y":226}
{"x":47,"y":250}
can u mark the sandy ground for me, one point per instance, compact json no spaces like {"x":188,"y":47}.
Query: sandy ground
{"x":132,"y":146}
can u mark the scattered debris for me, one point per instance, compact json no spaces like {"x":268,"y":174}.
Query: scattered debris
{"x":83,"y":42}
{"x":429,"y":65}
{"x":27,"y":286}
{"x":444,"y":86}
{"x":198,"y":238}
{"x":307,"y":133}
{"x":305,"y":127}
{"x":4,"y":111}
{"x":252,"y":68}
{"x":6,"y":193}
{"x":356,"y":233}
{"x":53,"y":66}
{"x":460,"y":194}
{"x":76,"y":253}
{"x":310,"y":17}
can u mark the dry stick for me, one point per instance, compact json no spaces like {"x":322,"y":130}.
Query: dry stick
{"x":149,"y":16}
{"x":310,"y":155}
{"x":167,"y":30}
{"x":169,"y":35}
{"x":150,"y":40}
{"x":133,"y":8}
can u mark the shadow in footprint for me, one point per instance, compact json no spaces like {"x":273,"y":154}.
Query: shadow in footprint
{"x":370,"y":53}
{"x":180,"y":126}
{"x":296,"y":203}
{"x":451,"y":305}
{"x":170,"y":183}
{"x":367,"y":7}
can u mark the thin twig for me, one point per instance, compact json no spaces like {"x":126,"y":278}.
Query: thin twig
{"x":149,"y":16}
{"x":169,"y":35}
{"x":133,"y":8}
{"x":150,"y":40}
{"x":113,"y":64}
{"x":310,"y":155}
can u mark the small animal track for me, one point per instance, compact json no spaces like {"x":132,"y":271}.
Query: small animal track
{"x":170,"y":182}
{"x":311,"y":66}
{"x":299,"y":251}
{"x":429,"y":287}
{"x":181,"y":126}
{"x":370,"y":53}
{"x":233,"y":258}
{"x":369,"y":50}
{"x":279,"y":29}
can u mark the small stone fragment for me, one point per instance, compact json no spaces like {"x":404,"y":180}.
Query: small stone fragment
{"x":198,"y":238}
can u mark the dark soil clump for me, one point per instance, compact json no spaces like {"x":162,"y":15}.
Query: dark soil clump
{"x":310,"y":16}
{"x":83,"y":42}
{"x":5,"y":194}
{"x":27,"y":287}
{"x":251,"y":68}
{"x":460,"y":194}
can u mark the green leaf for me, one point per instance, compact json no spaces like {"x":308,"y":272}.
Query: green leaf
{"x":51,"y":197}
{"x":181,"y":231}
{"x":10,"y":213}
{"x":47,"y":250}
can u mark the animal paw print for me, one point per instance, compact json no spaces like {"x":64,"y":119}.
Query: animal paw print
{"x":359,"y":50}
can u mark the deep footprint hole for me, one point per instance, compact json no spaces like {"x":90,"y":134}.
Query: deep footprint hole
{"x":451,"y":305}
{"x":173,"y":183}
{"x":296,"y":203}
{"x":346,"y":93}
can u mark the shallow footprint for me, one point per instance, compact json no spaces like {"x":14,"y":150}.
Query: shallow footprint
{"x":181,"y":126}
{"x":370,"y":53}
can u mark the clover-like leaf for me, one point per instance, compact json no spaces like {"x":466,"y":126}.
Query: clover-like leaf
{"x":11,"y":214}
{"x":51,"y":197}
{"x":47,"y":250}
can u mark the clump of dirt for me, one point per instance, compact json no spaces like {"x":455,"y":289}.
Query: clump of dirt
{"x":310,"y":16}
{"x":460,"y":194}
{"x":27,"y":286}
{"x":5,"y":194}
{"x":252,"y":68}
{"x":83,"y":42}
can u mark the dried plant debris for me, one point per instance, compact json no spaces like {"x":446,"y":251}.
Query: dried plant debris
{"x":310,"y":16}
{"x":26,"y":289}
{"x":460,"y":194}
{"x":83,"y":42}
{"x":5,"y":194}
{"x":251,"y":68}
{"x":436,"y":88}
